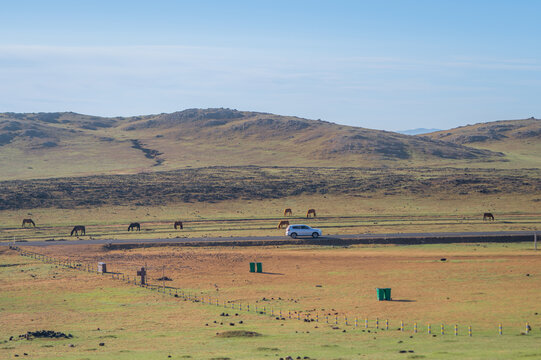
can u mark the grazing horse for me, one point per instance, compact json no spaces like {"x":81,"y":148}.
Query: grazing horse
{"x":288,"y":212}
{"x":179,"y":225}
{"x":77,"y":229}
{"x":134,"y":226}
{"x":311,"y":211}
{"x":29,"y":222}
{"x":282,"y":224}
{"x":488,"y":216}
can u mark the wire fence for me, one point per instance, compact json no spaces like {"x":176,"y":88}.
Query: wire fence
{"x":363,"y":323}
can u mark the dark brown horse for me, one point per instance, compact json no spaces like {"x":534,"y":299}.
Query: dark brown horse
{"x":78,"y":229}
{"x":311,"y":211}
{"x":179,"y":225}
{"x":134,"y":226}
{"x":29,"y":222}
{"x":488,"y":216}
{"x":282,"y":224}
{"x":288,"y":212}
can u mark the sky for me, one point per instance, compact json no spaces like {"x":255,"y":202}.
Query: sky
{"x":390,"y":65}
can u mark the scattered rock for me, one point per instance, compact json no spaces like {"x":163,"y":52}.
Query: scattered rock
{"x":49,"y":334}
{"x":101,"y":344}
{"x":238,"y":333}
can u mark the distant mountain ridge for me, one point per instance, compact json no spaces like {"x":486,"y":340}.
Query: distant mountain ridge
{"x":417,"y":131}
{"x":65,"y":144}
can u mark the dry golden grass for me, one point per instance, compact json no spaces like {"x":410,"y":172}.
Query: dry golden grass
{"x":336,"y":215}
{"x":476,"y":285}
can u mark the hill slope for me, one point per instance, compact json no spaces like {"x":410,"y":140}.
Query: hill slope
{"x":66,"y":144}
{"x":493,"y":131}
{"x":520,"y":140}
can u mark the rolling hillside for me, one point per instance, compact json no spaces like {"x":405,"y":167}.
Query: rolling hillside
{"x":41,"y":145}
{"x":519,"y":140}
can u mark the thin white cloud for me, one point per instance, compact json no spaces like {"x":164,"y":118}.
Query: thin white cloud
{"x":128,"y":80}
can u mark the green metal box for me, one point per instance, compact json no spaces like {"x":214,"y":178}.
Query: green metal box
{"x":384,"y":294}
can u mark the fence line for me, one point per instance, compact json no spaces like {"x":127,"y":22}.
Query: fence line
{"x":187,"y":296}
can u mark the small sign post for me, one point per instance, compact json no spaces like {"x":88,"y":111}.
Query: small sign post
{"x":143,"y":274}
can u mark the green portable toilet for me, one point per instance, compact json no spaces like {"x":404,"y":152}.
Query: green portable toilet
{"x":252,"y":267}
{"x":259,"y":267}
{"x":384,"y":294}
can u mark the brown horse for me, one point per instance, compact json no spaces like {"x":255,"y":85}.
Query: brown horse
{"x":282,"y":224}
{"x":78,"y":229}
{"x":311,"y":211}
{"x":288,"y":212}
{"x":178,"y":224}
{"x":29,"y":222}
{"x":488,"y":216}
{"x":134,"y":226}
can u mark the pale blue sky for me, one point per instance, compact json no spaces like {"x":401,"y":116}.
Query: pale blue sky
{"x":380,"y":64}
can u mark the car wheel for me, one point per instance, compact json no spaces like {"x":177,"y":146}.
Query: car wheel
{"x":293,"y":235}
{"x":315,"y":235}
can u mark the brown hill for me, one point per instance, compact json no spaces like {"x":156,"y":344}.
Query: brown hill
{"x":504,"y":130}
{"x":65,"y":144}
{"x":519,"y":140}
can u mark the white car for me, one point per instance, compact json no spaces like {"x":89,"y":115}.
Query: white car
{"x":302,"y":230}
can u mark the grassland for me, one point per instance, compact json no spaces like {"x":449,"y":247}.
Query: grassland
{"x":250,"y":201}
{"x":338,"y":214}
{"x":65,"y":169}
{"x":477,"y":285}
